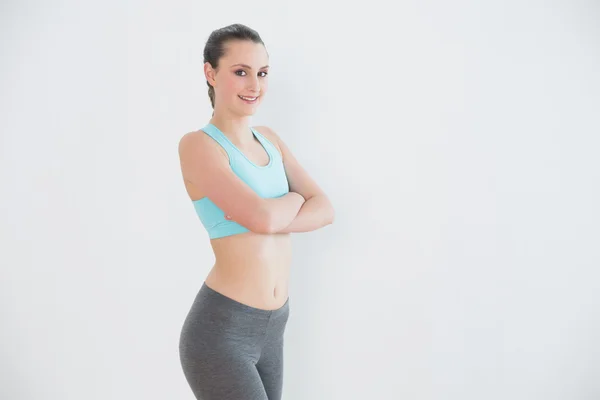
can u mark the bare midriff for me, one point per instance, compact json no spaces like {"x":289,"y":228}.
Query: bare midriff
{"x":252,"y":268}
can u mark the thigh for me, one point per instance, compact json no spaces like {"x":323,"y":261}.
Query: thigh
{"x":270,"y":363}
{"x":270,"y":368}
{"x":225,"y":379}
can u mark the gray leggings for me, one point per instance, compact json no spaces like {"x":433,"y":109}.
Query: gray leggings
{"x":232,"y":351}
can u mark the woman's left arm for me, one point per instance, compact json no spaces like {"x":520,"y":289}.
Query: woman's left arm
{"x":317,"y":211}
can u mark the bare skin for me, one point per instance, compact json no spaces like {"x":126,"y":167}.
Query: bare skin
{"x":252,"y":267}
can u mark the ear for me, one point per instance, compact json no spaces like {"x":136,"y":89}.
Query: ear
{"x":209,"y":73}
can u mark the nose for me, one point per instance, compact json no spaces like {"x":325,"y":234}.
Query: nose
{"x":254,"y":85}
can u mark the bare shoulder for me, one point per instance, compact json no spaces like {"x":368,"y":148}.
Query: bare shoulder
{"x":190,"y":139}
{"x":193,"y":138}
{"x":199,"y":159}
{"x":196,"y":141}
{"x":271,"y":135}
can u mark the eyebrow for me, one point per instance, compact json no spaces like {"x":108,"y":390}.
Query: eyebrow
{"x":249,"y":67}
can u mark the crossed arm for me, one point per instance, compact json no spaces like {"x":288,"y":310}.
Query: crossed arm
{"x":316,"y":211}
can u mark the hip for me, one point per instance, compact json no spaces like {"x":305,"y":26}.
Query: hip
{"x":219,"y":325}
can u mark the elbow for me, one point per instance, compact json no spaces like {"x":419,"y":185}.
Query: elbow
{"x":329,"y":213}
{"x":330,"y":216}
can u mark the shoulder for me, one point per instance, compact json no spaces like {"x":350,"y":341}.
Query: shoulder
{"x":270,"y":134}
{"x":191,"y":139}
{"x":198,"y":141}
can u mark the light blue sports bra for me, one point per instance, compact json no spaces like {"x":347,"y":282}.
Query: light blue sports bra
{"x":268,"y":181}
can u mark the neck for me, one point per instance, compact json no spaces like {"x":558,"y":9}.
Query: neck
{"x":236,"y":128}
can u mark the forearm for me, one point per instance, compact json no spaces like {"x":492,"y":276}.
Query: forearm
{"x":315,"y":213}
{"x":282,"y":210}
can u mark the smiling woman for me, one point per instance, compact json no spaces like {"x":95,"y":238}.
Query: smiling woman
{"x":250,"y":193}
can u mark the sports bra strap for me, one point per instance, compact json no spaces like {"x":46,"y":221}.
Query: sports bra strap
{"x":217,"y":135}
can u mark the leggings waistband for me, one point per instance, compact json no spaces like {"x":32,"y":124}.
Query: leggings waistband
{"x":235,"y":305}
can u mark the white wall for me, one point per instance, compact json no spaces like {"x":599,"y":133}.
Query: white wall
{"x":458,"y":143}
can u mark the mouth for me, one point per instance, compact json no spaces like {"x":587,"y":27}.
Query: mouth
{"x":249,"y":100}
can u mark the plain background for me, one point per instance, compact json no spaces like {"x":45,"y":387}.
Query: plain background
{"x":458,"y":142}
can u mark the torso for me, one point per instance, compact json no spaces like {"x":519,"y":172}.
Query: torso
{"x":250,"y":268}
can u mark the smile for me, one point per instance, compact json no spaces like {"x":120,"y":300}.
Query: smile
{"x":248,"y":99}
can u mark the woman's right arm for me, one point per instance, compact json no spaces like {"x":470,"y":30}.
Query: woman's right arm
{"x":204,"y":165}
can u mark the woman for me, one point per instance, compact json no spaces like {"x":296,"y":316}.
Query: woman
{"x":250,"y":193}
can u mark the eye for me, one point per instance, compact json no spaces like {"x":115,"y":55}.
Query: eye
{"x":241,"y":70}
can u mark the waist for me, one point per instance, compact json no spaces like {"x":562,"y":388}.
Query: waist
{"x":252,"y":268}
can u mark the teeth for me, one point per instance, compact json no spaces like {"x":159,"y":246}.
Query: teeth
{"x":248,"y":98}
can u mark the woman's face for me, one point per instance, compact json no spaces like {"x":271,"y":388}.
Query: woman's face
{"x":242,"y":72}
